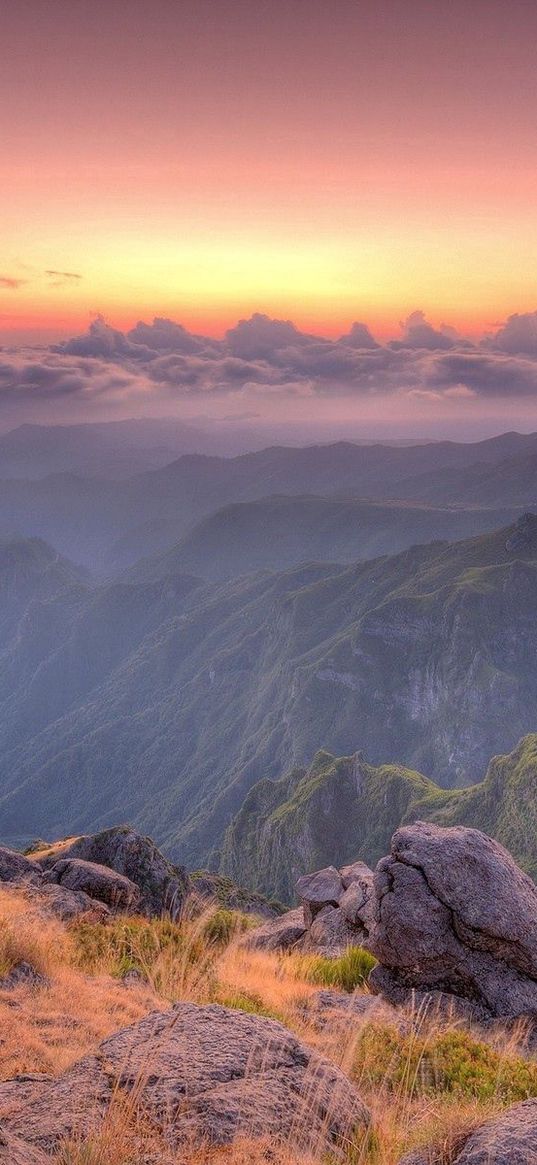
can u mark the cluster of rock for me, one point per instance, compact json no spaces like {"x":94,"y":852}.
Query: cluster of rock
{"x":115,"y":870}
{"x":449,"y":916}
{"x":198,"y":1073}
{"x":336,"y":911}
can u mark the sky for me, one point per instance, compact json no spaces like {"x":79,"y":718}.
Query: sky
{"x":320,"y":161}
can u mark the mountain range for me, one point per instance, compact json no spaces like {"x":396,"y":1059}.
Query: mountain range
{"x":164,"y":701}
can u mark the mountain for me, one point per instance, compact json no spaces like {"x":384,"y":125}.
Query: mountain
{"x":280,"y":532}
{"x":165,"y":702}
{"x":341,"y":809}
{"x":107,"y":525}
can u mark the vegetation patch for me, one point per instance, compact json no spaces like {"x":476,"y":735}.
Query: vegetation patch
{"x":345,"y":973}
{"x":450,"y":1063}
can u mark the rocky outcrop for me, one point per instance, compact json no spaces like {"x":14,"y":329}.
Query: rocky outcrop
{"x":96,"y":881}
{"x":336,"y":912}
{"x":509,"y":1139}
{"x":13,"y":1151}
{"x":207,"y":1073}
{"x":14,"y":867}
{"x":163,"y":887}
{"x":455,"y":916}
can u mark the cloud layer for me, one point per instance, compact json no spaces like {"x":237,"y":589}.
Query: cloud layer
{"x":159,"y":363}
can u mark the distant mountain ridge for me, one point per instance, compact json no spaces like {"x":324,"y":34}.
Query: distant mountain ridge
{"x":105,"y":524}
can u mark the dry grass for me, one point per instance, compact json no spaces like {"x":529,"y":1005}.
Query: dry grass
{"x":47,"y":1028}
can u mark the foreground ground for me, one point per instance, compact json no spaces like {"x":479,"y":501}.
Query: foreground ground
{"x":423,"y":1080}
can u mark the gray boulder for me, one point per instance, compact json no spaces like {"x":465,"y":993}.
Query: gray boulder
{"x":13,"y":1151}
{"x":14,"y":867}
{"x":95,"y":881}
{"x":280,"y":934}
{"x":163,"y":887}
{"x":207,"y":1073}
{"x":454,"y":914}
{"x":67,"y":904}
{"x":323,"y":888}
{"x":329,"y":934}
{"x":509,"y":1139}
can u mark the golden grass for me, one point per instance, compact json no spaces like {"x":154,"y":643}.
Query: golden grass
{"x":47,"y":1028}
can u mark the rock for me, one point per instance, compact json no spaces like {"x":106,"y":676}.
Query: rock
{"x":198,"y":1072}
{"x":23,"y":975}
{"x":357,"y":872}
{"x":323,"y":888}
{"x":96,"y":881}
{"x":357,"y":903}
{"x":163,"y":887}
{"x":14,"y":867}
{"x":68,"y":904}
{"x":16,"y":1152}
{"x":508,"y":1139}
{"x":281,"y":934}
{"x":456,"y":915}
{"x":329,"y":934}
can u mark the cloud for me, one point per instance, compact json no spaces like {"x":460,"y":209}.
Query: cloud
{"x":418,"y":333}
{"x":158,"y":363}
{"x":11,"y":283}
{"x":260,"y":337}
{"x":359,"y":336}
{"x":62,"y":278}
{"x":517,"y":336}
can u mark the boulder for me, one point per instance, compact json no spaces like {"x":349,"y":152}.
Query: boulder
{"x":329,"y":934}
{"x":508,"y":1139}
{"x":163,"y":887}
{"x":357,"y":872}
{"x":95,"y":881}
{"x":323,"y":888}
{"x":207,"y":1073}
{"x":280,"y":934}
{"x":13,"y":1151}
{"x":14,"y":867}
{"x":67,"y":904}
{"x":357,"y":903}
{"x":454,"y":914}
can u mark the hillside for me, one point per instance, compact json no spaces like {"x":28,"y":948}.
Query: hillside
{"x":165,"y":702}
{"x":280,"y":532}
{"x":340,"y":809}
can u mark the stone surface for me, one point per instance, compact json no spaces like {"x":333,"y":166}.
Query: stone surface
{"x":357,"y":872}
{"x":199,"y":1072}
{"x":322,"y":888}
{"x":68,"y":904}
{"x":329,"y":933}
{"x":456,"y":915}
{"x":163,"y":887}
{"x":509,"y":1139}
{"x":96,"y":881}
{"x":280,"y":934}
{"x":13,"y":1151}
{"x":15,"y":867}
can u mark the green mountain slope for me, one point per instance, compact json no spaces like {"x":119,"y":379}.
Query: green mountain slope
{"x":341,"y":809}
{"x":165,"y":702}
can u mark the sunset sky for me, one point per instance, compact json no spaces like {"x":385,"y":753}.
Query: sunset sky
{"x":320,"y":160}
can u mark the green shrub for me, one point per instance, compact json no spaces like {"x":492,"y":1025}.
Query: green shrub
{"x":224,"y":924}
{"x":247,"y":1001}
{"x":451,"y":1063}
{"x":348,"y":971}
